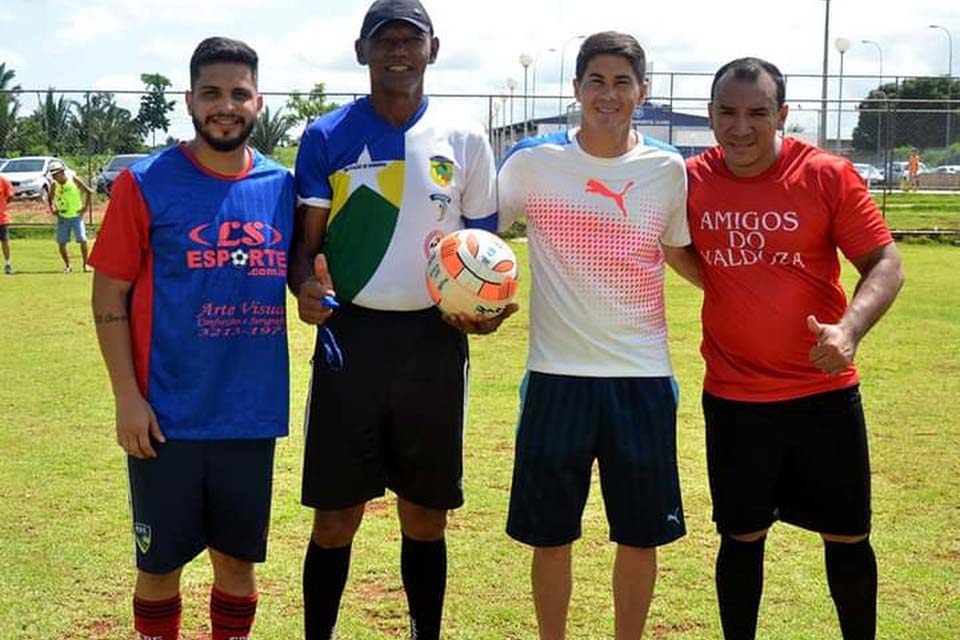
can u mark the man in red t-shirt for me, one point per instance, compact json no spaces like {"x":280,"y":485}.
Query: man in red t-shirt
{"x":6,"y":195}
{"x":786,"y":438}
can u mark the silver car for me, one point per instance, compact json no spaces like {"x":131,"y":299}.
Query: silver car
{"x":30,"y":175}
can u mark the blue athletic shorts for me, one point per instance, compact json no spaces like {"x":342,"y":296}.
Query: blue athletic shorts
{"x":4,"y":232}
{"x":197,"y":494}
{"x":68,"y":226}
{"x":629,"y":426}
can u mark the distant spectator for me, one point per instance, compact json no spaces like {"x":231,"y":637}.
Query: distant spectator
{"x":913,"y":167}
{"x":68,"y":199}
{"x":6,"y":195}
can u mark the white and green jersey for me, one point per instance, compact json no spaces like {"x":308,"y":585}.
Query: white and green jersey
{"x":393,"y":192}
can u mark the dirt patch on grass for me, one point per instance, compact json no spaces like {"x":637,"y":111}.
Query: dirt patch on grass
{"x":36,"y":212}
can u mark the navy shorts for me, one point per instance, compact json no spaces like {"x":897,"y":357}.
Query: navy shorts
{"x":802,"y":461}
{"x":4,"y":232}
{"x":629,"y":426}
{"x":392,"y":416}
{"x":197,"y":494}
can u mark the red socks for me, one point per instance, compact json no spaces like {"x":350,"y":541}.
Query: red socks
{"x":157,"y":619}
{"x":231,"y":616}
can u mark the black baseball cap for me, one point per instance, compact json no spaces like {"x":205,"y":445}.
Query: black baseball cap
{"x":383,"y":11}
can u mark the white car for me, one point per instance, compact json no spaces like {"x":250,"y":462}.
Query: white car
{"x":870,"y":174}
{"x":951,"y":169}
{"x":30,"y":176}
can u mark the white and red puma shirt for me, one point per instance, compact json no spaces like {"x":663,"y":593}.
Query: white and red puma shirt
{"x":595,"y":226}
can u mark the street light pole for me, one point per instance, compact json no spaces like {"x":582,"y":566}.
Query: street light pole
{"x":879,"y":89}
{"x":525,"y":62}
{"x":822,"y":133}
{"x":563,"y":50}
{"x":880,"y":53}
{"x":842,"y":45}
{"x":534,"y":87}
{"x":511,"y":85}
{"x":949,"y":73}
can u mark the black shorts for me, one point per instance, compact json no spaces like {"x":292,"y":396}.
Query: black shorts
{"x":628,"y":425}
{"x":197,"y":494}
{"x":4,"y":232}
{"x":392,"y":417}
{"x":803,"y":461}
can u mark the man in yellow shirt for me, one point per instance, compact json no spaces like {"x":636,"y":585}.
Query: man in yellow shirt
{"x":69,"y":198}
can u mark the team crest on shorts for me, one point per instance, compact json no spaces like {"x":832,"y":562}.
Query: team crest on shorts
{"x":441,"y":170}
{"x":142,"y":534}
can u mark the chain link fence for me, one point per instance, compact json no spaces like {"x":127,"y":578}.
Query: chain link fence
{"x":876,"y":122}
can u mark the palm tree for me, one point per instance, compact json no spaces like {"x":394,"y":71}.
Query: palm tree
{"x":55,"y":119}
{"x":270,"y":130}
{"x":103,"y":126}
{"x":9,"y":107}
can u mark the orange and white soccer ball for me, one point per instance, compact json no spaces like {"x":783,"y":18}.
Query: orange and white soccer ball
{"x":472,"y":271}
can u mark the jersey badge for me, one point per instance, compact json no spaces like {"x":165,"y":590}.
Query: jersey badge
{"x":443,"y":201}
{"x":441,"y":170}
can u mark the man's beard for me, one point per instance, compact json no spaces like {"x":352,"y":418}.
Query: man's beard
{"x":223,"y":144}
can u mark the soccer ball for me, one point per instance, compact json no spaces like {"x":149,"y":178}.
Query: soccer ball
{"x":239,"y":258}
{"x":472,"y":271}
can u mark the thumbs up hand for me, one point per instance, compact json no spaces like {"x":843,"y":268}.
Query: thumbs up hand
{"x":315,"y":298}
{"x":835,"y":347}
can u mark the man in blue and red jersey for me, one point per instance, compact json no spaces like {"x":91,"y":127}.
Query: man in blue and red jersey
{"x":188,"y":301}
{"x":381,"y":180}
{"x":786,"y":438}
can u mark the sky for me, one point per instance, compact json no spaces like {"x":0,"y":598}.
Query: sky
{"x":105,"y":45}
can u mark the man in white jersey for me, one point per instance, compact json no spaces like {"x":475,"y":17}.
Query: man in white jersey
{"x":382,"y":180}
{"x":605,"y":207}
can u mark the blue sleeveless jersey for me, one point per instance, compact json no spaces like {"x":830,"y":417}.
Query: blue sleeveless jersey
{"x":207,"y":256}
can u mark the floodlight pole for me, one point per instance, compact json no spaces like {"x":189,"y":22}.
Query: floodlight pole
{"x":949,"y":74}
{"x":563,"y":50}
{"x":879,"y":89}
{"x":842,"y":45}
{"x":822,"y":132}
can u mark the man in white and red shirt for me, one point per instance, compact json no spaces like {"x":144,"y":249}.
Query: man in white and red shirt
{"x":786,"y":438}
{"x":605,"y":210}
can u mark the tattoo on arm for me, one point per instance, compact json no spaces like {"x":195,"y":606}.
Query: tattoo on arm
{"x":108,"y":318}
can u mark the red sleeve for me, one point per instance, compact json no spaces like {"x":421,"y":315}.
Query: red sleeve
{"x":858,"y":226}
{"x":123,"y":240}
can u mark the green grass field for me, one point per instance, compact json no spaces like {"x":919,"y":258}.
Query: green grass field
{"x":66,"y":550}
{"x":921,"y":210}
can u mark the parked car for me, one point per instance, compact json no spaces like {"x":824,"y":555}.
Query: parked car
{"x":870,"y":174}
{"x":112,"y":169}
{"x":899,"y":167}
{"x":3,"y":161}
{"x":30,"y":175}
{"x":950,"y":169}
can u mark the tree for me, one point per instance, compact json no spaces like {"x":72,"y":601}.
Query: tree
{"x":270,"y":130}
{"x":154,"y":105}
{"x":912,"y":113}
{"x":103,"y":126}
{"x":304,"y":109}
{"x":55,"y":119}
{"x":9,"y":107}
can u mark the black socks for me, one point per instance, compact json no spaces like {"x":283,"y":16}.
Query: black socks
{"x":423,"y":566}
{"x":739,"y":586}
{"x":852,"y":575}
{"x":324,"y":577}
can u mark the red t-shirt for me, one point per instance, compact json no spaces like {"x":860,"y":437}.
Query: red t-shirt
{"x":768,"y":253}
{"x":6,"y":192}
